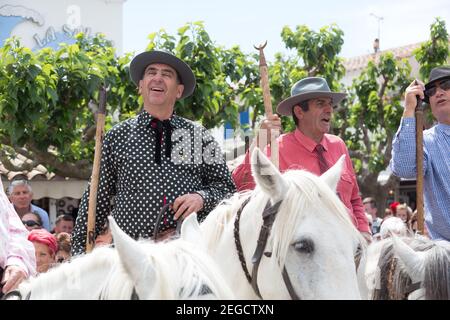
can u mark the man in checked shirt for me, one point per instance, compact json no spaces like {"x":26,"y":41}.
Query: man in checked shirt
{"x":156,"y":158}
{"x":436,"y":149}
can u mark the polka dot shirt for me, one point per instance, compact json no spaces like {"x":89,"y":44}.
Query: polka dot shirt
{"x":133,"y":186}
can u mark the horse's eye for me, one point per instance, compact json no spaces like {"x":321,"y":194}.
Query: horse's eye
{"x":304,"y":246}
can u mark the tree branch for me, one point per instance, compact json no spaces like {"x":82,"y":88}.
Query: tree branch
{"x":380,"y":98}
{"x":388,"y":148}
{"x":358,"y":154}
{"x":80,"y":169}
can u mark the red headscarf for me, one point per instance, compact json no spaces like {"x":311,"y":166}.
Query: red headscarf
{"x":393,"y":207}
{"x":44,"y":237}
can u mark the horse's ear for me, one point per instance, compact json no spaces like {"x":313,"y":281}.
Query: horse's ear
{"x":267,"y":176}
{"x":414,"y":260}
{"x":333,"y":175}
{"x":134,"y":259}
{"x":190,"y":231}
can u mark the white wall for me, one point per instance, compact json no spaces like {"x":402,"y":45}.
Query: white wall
{"x":98,"y":15}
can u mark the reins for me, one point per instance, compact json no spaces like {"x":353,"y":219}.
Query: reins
{"x":165,"y":208}
{"x":268,"y":215}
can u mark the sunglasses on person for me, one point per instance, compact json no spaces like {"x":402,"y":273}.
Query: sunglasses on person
{"x":31,"y":223}
{"x":444,"y":85}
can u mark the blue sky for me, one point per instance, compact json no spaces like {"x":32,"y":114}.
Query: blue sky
{"x":249,"y":22}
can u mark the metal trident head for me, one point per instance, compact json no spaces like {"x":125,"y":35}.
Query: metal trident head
{"x":261,"y":46}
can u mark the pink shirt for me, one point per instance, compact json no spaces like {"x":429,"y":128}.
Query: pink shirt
{"x":296,"y":151}
{"x":15,"y":249}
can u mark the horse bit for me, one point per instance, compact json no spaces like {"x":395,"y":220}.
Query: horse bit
{"x":268,"y":216}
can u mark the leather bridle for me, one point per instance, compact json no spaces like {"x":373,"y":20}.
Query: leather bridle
{"x":163,"y":210}
{"x":268,"y":215}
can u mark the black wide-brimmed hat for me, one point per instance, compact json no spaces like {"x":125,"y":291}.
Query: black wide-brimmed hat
{"x":308,"y":88}
{"x":436,"y":74}
{"x":142,"y":60}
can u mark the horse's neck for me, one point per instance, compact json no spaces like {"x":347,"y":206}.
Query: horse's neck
{"x":83,"y":278}
{"x":225,"y":246}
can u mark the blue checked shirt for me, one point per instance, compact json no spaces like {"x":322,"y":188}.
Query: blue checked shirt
{"x":436,"y":167}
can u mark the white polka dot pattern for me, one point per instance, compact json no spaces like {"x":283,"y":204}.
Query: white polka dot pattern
{"x":133,"y":187}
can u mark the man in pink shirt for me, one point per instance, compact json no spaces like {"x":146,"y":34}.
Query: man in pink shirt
{"x":310,"y":147}
{"x":17,"y":258}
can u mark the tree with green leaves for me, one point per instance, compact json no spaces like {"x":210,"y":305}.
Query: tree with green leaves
{"x":48,"y":97}
{"x":374,"y":108}
{"x":45,"y":98}
{"x":314,"y":54}
{"x":434,"y":52}
{"x":370,"y":119}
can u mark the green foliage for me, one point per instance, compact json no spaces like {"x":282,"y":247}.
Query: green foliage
{"x":44,"y":95}
{"x":318,"y":51}
{"x":315,"y":54}
{"x":375,"y":111}
{"x":434,"y":52}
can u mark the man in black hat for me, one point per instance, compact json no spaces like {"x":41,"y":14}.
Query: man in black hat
{"x":156,"y":158}
{"x":310,"y":147}
{"x":436,"y":147}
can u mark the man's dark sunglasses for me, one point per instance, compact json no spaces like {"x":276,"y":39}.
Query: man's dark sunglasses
{"x":31,"y":223}
{"x":444,"y":85}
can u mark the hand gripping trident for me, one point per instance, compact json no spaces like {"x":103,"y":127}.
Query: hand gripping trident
{"x":419,"y":164}
{"x":272,"y":134}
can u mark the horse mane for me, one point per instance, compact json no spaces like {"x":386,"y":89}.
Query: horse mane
{"x":388,"y":270}
{"x":437,"y":272}
{"x":182,"y":272}
{"x":196,"y":273}
{"x":394,"y":280}
{"x":222,"y":217}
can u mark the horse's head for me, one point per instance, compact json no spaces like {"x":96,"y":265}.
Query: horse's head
{"x":176,"y":269}
{"x":312,"y":234}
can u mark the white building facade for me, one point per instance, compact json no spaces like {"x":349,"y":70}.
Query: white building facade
{"x":46,"y":23}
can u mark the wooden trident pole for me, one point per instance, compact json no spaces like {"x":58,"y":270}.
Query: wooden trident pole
{"x":419,"y":165}
{"x":90,"y":237}
{"x":272,"y":134}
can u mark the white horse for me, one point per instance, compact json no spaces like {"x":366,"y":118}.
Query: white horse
{"x":407,"y":268}
{"x":312,"y":237}
{"x":178,"y":269}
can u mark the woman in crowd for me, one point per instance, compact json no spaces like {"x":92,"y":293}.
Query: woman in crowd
{"x":45,"y":246}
